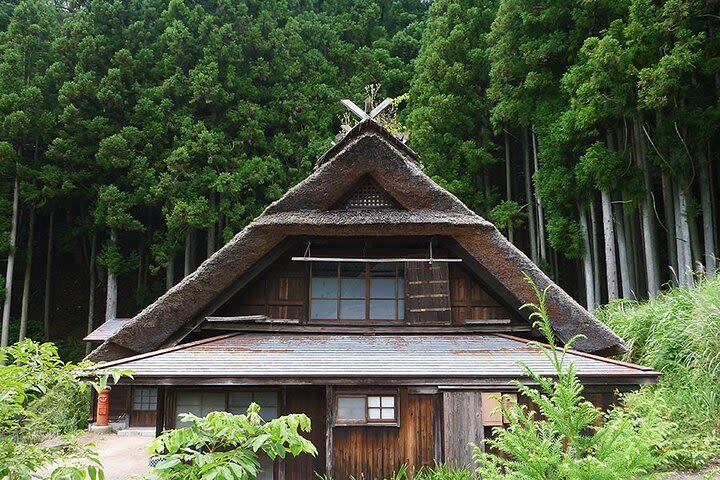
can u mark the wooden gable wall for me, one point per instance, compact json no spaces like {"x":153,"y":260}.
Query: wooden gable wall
{"x":282,"y":292}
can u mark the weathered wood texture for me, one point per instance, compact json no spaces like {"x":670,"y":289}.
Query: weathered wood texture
{"x":471,"y":302}
{"x":436,"y":294}
{"x":160,"y":413}
{"x":376,"y":452}
{"x":462,"y":413}
{"x":311,"y":402}
{"x":279,"y":292}
{"x":427,"y":293}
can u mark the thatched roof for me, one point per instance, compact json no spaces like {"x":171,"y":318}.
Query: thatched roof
{"x":307,"y":210}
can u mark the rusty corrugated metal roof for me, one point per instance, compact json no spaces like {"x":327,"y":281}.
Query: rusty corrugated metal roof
{"x":315,"y":356}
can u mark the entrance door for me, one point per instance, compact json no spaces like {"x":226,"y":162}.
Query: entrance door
{"x":144,"y":407}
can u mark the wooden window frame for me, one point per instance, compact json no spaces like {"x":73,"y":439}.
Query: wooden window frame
{"x":226,"y":392}
{"x":398,"y":320}
{"x":394,"y":422}
{"x":144,"y":399}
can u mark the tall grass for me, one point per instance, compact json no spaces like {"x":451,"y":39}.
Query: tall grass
{"x":678,"y":334}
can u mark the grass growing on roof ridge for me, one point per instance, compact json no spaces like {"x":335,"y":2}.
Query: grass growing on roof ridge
{"x":678,"y":334}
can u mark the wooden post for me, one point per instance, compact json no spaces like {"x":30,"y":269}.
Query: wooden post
{"x":329,"y":420}
{"x":160,"y":411}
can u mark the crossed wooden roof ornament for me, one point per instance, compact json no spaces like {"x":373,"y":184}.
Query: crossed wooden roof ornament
{"x":362,"y":114}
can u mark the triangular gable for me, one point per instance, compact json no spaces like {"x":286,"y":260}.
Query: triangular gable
{"x":307,"y":209}
{"x":369,"y":150}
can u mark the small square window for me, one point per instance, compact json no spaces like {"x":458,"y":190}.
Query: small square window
{"x":366,"y":409}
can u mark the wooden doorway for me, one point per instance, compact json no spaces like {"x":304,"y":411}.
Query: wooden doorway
{"x":144,"y":407}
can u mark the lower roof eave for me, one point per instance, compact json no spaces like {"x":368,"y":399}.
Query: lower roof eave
{"x":459,"y":381}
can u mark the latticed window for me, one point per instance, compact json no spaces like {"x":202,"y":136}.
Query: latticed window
{"x":368,"y":195}
{"x":366,"y":409}
{"x":145,"y":399}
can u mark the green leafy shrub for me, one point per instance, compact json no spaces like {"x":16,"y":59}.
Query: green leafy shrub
{"x":224,"y":446}
{"x":564,"y":441}
{"x":62,"y":410}
{"x":678,"y":334}
{"x":437,"y":472}
{"x":28,"y":371}
{"x":445,"y":472}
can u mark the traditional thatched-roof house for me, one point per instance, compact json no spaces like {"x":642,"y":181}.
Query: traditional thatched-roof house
{"x":328,"y":304}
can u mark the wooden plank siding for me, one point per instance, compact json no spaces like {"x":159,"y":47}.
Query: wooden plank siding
{"x":470,"y":302}
{"x":280,"y":293}
{"x":376,"y":452}
{"x":463,"y":424}
{"x":311,"y":402}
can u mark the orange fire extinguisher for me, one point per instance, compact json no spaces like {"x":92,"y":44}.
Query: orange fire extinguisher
{"x":103,"y":408}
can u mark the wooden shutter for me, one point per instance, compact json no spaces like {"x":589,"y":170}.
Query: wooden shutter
{"x":427,"y":293}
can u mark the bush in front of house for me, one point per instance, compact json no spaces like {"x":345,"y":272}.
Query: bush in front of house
{"x":224,"y":446}
{"x":568,"y":438}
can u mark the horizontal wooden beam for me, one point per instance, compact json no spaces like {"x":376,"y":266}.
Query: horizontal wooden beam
{"x":491,"y":326}
{"x":376,"y":260}
{"x":444,"y":383}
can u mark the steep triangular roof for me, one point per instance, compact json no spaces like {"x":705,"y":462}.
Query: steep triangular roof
{"x":427,"y":209}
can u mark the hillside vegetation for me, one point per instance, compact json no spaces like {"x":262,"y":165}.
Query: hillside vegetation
{"x":679,"y":335}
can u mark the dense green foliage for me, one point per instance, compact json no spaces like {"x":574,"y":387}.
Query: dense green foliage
{"x":536,"y":113}
{"x":226,"y":446}
{"x":36,"y":387}
{"x":172,"y":124}
{"x":679,"y":335}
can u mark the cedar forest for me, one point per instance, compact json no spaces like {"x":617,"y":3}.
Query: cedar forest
{"x":137,"y":136}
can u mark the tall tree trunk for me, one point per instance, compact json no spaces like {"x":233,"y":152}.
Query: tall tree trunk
{"x":508,"y":181}
{"x":540,"y":214}
{"x":532,"y":222}
{"x":631,"y":240}
{"x":609,"y":237}
{"x":91,"y":291}
{"x":709,"y":259}
{"x":623,"y":254}
{"x":112,"y":289}
{"x":188,"y":252}
{"x":48,"y":273}
{"x":211,"y":229}
{"x":669,"y":211}
{"x":695,"y":248}
{"x":682,"y":235}
{"x":647,"y":213}
{"x":25,"y":303}
{"x":595,"y":237}
{"x":170,"y":273}
{"x":5,"y":335}
{"x":587,"y":262}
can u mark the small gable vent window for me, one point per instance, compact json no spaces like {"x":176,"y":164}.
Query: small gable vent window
{"x":368,"y":195}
